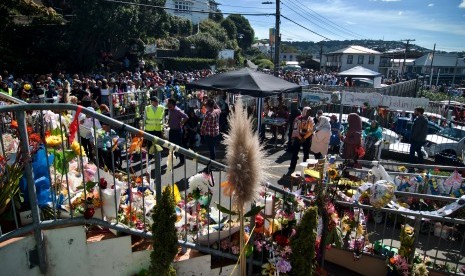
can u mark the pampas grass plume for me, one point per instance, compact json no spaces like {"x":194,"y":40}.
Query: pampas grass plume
{"x":245,"y":157}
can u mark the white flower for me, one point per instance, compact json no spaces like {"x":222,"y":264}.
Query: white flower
{"x":200,"y":181}
{"x":10,"y":144}
{"x":52,"y":119}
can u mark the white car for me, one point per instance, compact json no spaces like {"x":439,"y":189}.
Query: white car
{"x":449,"y":140}
{"x":404,"y":148}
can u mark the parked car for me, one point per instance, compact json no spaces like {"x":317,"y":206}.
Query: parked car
{"x":403,"y":127}
{"x":447,"y":141}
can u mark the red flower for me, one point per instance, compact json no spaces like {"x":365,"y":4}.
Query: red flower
{"x":14,"y":124}
{"x":34,"y":137}
{"x":29,"y":130}
{"x":281,"y":240}
{"x":259,"y":221}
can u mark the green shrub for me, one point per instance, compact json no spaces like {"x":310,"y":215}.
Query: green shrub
{"x":188,"y":64}
{"x":264,"y":63}
{"x":303,"y":244}
{"x":165,"y":238}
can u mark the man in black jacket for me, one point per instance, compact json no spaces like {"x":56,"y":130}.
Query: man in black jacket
{"x":418,"y":137}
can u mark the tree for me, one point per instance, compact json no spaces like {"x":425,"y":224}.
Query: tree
{"x":216,"y":16}
{"x":245,"y":33}
{"x":165,"y":239}
{"x":230,"y":28}
{"x":27,"y":31}
{"x":286,"y":48}
{"x":179,"y":26}
{"x":200,"y":45}
{"x":214,"y":29}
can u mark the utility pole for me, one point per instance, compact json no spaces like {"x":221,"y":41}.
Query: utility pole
{"x":405,"y":53}
{"x":431,"y":67}
{"x":455,"y":71}
{"x":277,"y":38}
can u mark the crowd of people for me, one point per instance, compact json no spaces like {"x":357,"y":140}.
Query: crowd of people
{"x":195,"y":117}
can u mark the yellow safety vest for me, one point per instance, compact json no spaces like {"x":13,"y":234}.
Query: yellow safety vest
{"x":10,"y":92}
{"x":154,"y":119}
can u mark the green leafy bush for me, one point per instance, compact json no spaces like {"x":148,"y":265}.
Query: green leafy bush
{"x":188,"y":64}
{"x":303,"y":244}
{"x":165,"y":238}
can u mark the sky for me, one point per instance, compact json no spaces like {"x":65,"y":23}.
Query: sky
{"x":427,"y":21}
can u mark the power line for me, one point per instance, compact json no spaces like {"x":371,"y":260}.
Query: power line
{"x":191,"y":11}
{"x":326,"y":20}
{"x":259,"y":8}
{"x":309,"y":20}
{"x":285,"y":17}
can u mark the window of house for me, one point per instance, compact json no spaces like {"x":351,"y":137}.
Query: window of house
{"x":360,"y":59}
{"x":284,"y":57}
{"x":182,"y":6}
{"x":371,"y":60}
{"x":350,"y":59}
{"x":290,"y":57}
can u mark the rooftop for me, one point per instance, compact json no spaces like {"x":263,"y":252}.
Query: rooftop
{"x":354,"y":49}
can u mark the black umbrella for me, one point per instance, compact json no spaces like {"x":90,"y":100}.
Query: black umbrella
{"x":246,"y":82}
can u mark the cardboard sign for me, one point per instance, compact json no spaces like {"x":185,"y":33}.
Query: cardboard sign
{"x":25,"y":217}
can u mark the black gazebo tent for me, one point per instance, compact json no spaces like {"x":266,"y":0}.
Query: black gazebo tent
{"x":247,"y":82}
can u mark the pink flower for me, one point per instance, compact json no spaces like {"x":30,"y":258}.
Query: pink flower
{"x":258,"y":246}
{"x":89,"y":172}
{"x":235,"y":250}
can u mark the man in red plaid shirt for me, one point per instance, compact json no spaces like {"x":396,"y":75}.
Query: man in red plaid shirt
{"x":210,"y":128}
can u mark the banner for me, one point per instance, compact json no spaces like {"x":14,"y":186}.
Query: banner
{"x":376,"y":99}
{"x":312,"y":97}
{"x":272,"y":36}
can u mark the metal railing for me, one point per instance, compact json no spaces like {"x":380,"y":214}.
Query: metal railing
{"x":133,"y":181}
{"x":129,"y":191}
{"x":439,"y":239}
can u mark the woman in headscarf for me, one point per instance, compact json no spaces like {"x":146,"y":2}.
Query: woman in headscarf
{"x":353,"y":137}
{"x":320,"y":139}
{"x":372,"y":134}
{"x":302,"y":130}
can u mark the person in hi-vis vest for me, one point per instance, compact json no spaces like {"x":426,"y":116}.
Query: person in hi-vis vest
{"x":154,"y":118}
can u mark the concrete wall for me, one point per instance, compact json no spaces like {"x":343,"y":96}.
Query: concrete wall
{"x":68,"y":253}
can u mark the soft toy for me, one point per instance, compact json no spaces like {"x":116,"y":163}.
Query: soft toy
{"x":41,"y":177}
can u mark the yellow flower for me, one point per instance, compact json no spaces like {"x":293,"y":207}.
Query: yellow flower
{"x":176,"y":193}
{"x":268,"y":269}
{"x":53,"y":141}
{"x":78,"y":149}
{"x":402,"y":169}
{"x":332,"y":173}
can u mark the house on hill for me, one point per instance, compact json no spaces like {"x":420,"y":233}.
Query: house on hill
{"x":443,"y":68}
{"x":350,"y":57}
{"x":189,"y":9}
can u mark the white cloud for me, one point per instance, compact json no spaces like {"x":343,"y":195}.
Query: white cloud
{"x":430,"y":5}
{"x":391,"y":0}
{"x":350,"y":23}
{"x":400,"y":13}
{"x":462,"y":5}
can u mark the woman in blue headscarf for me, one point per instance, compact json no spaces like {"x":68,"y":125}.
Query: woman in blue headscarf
{"x":372,"y":134}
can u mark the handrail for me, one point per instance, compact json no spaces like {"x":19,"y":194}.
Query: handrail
{"x":118,"y":124}
{"x":11,"y":99}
